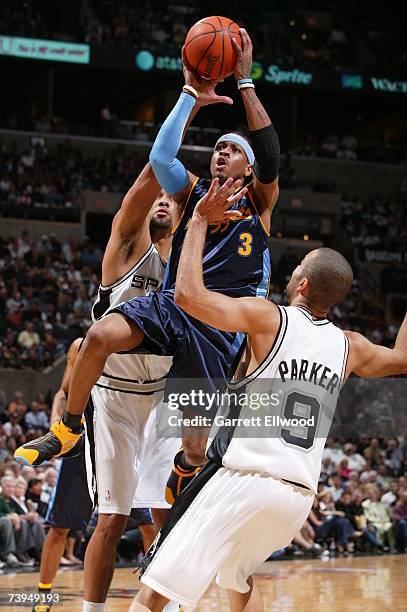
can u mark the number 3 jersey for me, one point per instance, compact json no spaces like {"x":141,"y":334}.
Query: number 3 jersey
{"x":126,"y":372}
{"x":280,"y":414}
{"x":236,"y":258}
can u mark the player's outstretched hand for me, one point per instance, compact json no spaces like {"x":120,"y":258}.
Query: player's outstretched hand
{"x":244,"y":56}
{"x":214,"y":205}
{"x":205,"y":87}
{"x":211,"y":97}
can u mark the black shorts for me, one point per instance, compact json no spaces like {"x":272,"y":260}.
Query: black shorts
{"x":71,"y":505}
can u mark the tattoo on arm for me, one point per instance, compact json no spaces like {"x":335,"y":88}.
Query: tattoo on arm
{"x":62,"y":405}
{"x":258,"y":106}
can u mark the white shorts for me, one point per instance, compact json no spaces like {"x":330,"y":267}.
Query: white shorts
{"x":132,"y":464}
{"x":236,"y":522}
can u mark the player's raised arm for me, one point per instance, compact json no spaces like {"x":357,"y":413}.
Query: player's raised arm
{"x":172,"y":175}
{"x":249,"y":314}
{"x":372,"y":360}
{"x":263,"y":135}
{"x":130,"y":234}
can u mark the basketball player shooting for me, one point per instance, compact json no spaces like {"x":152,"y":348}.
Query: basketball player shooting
{"x":255,"y":493}
{"x":154,"y":323}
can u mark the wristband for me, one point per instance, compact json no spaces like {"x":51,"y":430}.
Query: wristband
{"x":243,"y":83}
{"x":191,"y":91}
{"x":246,"y":86}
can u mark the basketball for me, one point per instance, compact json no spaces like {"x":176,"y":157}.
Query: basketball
{"x":208,"y":48}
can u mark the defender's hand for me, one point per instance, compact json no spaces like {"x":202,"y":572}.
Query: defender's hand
{"x":243,"y":66}
{"x":214,"y":205}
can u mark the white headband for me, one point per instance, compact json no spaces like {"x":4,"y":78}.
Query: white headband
{"x":241,"y":142}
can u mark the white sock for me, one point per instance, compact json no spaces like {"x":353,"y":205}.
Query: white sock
{"x":90,"y":606}
{"x":171,"y":606}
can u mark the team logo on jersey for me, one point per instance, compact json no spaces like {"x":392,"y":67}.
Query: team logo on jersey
{"x":145,"y":282}
{"x":223,"y":226}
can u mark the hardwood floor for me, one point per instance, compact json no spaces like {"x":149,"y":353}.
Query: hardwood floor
{"x":361,"y":584}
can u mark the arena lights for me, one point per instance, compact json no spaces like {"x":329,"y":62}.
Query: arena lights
{"x":37,"y":48}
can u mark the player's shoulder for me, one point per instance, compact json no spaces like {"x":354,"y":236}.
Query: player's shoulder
{"x":355,"y":339}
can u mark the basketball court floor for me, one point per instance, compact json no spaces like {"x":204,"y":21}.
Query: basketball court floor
{"x":361,"y":584}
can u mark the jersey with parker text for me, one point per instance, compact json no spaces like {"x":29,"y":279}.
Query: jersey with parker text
{"x":283,"y":410}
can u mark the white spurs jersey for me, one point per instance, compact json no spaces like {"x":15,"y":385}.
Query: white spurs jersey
{"x":132,"y":372}
{"x":300,"y":380}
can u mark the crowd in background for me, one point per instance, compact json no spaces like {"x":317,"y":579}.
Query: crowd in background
{"x":372,"y":147}
{"x":46,"y":290}
{"x":318,"y":35}
{"x":37,"y":178}
{"x":377,"y":222}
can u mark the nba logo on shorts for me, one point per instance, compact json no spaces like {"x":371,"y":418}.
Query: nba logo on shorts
{"x":107,"y":495}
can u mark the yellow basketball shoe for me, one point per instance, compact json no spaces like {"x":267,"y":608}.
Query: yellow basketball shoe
{"x":57,"y":442}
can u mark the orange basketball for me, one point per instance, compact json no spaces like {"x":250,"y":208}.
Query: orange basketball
{"x":208,"y":47}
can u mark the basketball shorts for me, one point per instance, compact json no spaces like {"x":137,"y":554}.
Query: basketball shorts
{"x":200,"y":352}
{"x":132,"y":464}
{"x":71,"y":503}
{"x":225,"y":524}
{"x":72,"y":499}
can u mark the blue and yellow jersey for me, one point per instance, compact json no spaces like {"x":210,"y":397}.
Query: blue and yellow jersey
{"x":236,"y":258}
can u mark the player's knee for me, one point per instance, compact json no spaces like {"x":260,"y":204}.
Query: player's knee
{"x":58,"y":534}
{"x":98,"y":338}
{"x":111,"y":527}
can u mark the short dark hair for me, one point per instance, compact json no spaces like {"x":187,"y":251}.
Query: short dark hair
{"x":330,"y":277}
{"x":32,"y":482}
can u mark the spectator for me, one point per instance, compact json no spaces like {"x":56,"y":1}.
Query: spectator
{"x":28,"y":472}
{"x":8,"y":522}
{"x":353,"y":511}
{"x":36,"y":418}
{"x":390,"y":497}
{"x":4,"y":453}
{"x":28,"y":532}
{"x":28,"y":338}
{"x":399,"y":514}
{"x":394,"y":456}
{"x":343,"y":469}
{"x":335,"y":487}
{"x":50,"y":479}
{"x":378,"y":515}
{"x":334,"y":523}
{"x":333,"y":451}
{"x":12,"y":427}
{"x":18,"y":405}
{"x":36,"y":496}
{"x":355,"y":460}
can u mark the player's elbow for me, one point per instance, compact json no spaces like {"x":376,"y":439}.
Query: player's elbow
{"x":183,"y":297}
{"x":156,"y":158}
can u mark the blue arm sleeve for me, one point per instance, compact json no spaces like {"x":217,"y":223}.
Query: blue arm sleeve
{"x":170,"y":172}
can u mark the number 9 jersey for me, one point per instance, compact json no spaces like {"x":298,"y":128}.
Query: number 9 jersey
{"x":236,"y":258}
{"x":280,"y":414}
